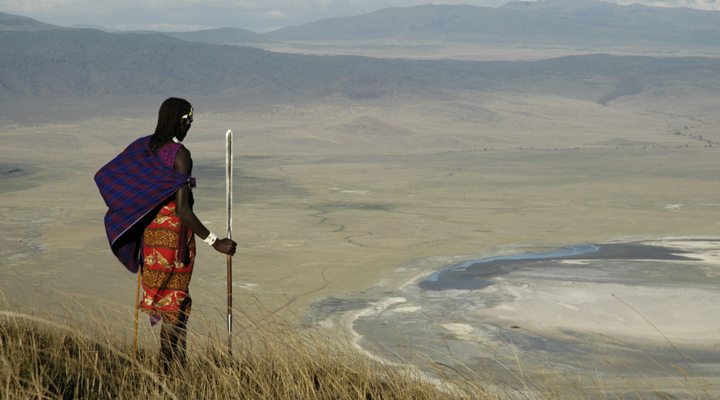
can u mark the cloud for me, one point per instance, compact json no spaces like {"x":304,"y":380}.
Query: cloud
{"x":21,"y":6}
{"x":275,"y":14}
{"x":257,"y":15}
{"x":698,"y":4}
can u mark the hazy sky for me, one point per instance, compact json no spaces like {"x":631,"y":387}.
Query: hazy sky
{"x":258,"y":15}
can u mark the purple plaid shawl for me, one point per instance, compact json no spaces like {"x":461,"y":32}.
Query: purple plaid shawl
{"x":133,"y":184}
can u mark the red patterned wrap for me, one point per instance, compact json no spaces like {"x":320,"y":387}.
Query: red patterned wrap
{"x":168,"y":258}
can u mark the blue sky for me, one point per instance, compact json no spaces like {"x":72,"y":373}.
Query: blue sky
{"x":257,"y":15}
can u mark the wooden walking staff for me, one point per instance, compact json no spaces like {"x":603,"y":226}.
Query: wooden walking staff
{"x":228,"y":193}
{"x":137,"y":310}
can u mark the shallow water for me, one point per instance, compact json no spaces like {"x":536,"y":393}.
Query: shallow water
{"x":616,"y":311}
{"x":476,"y":274}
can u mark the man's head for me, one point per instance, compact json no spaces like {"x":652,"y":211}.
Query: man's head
{"x":174,"y":120}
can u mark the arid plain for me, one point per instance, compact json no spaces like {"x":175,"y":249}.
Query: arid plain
{"x":335,"y":198}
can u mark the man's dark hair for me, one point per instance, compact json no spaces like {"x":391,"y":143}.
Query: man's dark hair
{"x":169,"y":121}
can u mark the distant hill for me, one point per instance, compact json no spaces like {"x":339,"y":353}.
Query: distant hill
{"x":551,"y":22}
{"x":61,"y":69}
{"x":84,"y":62}
{"x":9,"y":22}
{"x":92,"y":26}
{"x":221,"y":36}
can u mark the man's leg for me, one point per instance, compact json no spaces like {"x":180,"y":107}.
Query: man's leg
{"x":173,"y":341}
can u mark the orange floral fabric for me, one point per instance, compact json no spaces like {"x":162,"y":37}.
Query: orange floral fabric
{"x":168,"y":259}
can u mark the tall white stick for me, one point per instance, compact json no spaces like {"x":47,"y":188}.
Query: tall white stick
{"x":228,"y":196}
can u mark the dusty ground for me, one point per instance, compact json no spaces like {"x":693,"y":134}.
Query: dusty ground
{"x":332,"y":199}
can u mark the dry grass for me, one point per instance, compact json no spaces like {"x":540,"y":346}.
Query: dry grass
{"x":42,"y":359}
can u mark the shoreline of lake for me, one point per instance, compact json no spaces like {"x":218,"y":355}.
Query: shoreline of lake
{"x":616,"y":310}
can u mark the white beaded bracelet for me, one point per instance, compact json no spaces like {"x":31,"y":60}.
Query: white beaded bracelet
{"x":210,"y":239}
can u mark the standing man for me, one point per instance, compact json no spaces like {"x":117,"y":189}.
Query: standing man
{"x":151,"y":225}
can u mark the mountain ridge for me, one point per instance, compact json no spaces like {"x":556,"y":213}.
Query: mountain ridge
{"x":17,"y":23}
{"x":221,"y":36}
{"x":556,"y":21}
{"x":85,"y":63}
{"x":62,"y":67}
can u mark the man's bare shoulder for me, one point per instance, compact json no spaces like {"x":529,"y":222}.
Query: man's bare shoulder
{"x":183,"y":161}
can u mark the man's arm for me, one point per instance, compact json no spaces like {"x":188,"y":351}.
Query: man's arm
{"x":183,"y":165}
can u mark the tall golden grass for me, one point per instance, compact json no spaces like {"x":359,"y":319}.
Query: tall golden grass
{"x":43,"y":359}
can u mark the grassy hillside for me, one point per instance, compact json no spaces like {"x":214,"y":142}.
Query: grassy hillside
{"x":45,"y":359}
